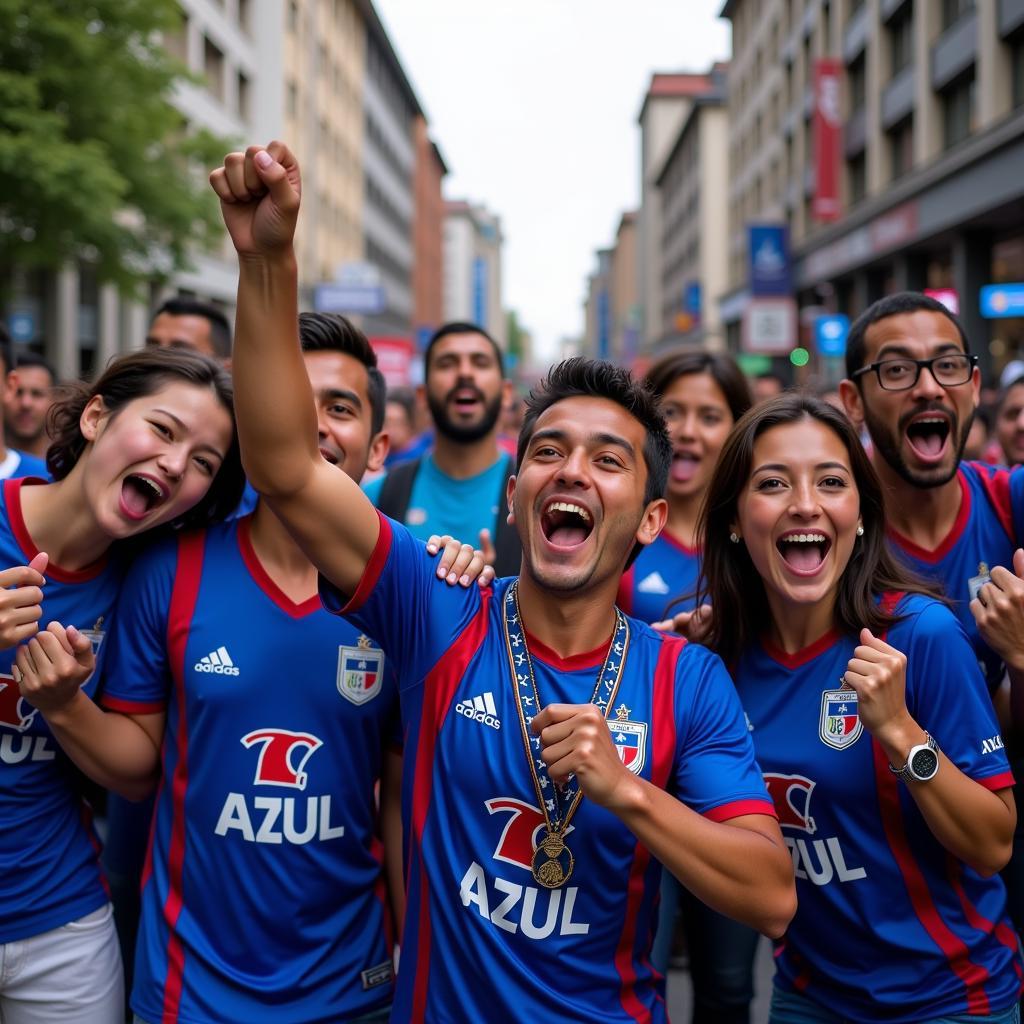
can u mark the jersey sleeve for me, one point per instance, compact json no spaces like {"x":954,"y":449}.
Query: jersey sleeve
{"x":716,"y":772}
{"x":137,"y":678}
{"x":401,"y":603}
{"x":946,"y":693}
{"x":1016,"y":488}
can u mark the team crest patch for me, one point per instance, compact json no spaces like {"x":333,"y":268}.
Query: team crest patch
{"x":840,"y":723}
{"x":630,"y":739}
{"x":360,"y":671}
{"x":95,"y":635}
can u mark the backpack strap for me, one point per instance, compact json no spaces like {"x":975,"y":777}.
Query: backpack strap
{"x":396,"y":491}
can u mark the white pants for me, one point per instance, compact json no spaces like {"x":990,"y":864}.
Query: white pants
{"x":70,"y":975}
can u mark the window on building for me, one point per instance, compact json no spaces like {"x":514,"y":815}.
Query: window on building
{"x":1017,"y":71}
{"x":901,"y":39}
{"x":901,"y":148}
{"x":176,"y":40}
{"x":854,"y":7}
{"x":857,"y":83}
{"x":826,"y":27}
{"x":243,"y":97}
{"x":954,"y":10}
{"x":243,"y":16}
{"x":959,"y":110}
{"x":213,"y":68}
{"x":293,"y":16}
{"x":857,"y":178}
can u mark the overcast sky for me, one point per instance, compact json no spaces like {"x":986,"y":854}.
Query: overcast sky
{"x":533,"y":104}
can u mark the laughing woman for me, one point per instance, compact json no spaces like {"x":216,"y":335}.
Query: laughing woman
{"x":873,"y":726}
{"x":151,"y":443}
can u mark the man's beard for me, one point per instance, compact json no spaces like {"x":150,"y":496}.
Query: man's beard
{"x":888,"y":446}
{"x":470,"y":432}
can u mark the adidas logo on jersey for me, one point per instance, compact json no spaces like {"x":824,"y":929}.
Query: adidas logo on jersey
{"x":218,"y":662}
{"x":480,"y":709}
{"x":653,"y":584}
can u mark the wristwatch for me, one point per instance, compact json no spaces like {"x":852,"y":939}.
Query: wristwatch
{"x":922,"y":762}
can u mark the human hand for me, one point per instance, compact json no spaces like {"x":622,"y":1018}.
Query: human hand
{"x":460,"y":563}
{"x":21,"y":599}
{"x":693,"y":625}
{"x":52,"y":666}
{"x":999,"y":611}
{"x":259,"y":193}
{"x":575,"y":739}
{"x":877,"y":673}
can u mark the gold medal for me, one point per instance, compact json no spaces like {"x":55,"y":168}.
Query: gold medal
{"x":552,"y":862}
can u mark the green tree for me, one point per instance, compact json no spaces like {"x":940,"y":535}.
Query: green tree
{"x":95,"y":163}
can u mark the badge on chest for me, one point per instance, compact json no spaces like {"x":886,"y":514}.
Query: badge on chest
{"x":360,"y":671}
{"x":840,"y":724}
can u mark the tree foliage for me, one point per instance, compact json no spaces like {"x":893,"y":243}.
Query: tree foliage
{"x":95,"y":162}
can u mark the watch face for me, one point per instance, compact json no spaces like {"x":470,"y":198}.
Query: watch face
{"x":925,"y":763}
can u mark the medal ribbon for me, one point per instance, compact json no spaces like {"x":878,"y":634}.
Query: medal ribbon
{"x":557,"y":803}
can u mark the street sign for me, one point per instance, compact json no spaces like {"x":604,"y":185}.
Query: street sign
{"x":769,"y":326}
{"x":344,"y":298}
{"x":1002,"y":300}
{"x":830,"y":334}
{"x":768,"y":259}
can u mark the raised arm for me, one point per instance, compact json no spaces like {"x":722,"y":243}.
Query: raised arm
{"x":330,"y":517}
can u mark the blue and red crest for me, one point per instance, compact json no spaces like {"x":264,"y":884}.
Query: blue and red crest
{"x":840,"y":723}
{"x":630,"y":739}
{"x":360,"y":671}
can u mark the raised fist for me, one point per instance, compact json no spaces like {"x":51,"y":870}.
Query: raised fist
{"x":259,"y":193}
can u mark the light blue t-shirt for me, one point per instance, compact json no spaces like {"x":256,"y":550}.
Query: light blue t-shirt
{"x":440,"y":504}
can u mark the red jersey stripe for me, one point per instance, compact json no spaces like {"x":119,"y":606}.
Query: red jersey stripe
{"x":439,"y":690}
{"x":179,"y":619}
{"x":972,"y":975}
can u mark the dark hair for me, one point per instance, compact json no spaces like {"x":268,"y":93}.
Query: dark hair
{"x":137,"y":375}
{"x":34,"y":359}
{"x":721,"y":368}
{"x":331,"y":332}
{"x":1004,"y":394}
{"x":405,"y":398}
{"x":220,"y":329}
{"x":460,"y":327}
{"x":892,"y":305}
{"x":6,"y":348}
{"x":741,"y":612}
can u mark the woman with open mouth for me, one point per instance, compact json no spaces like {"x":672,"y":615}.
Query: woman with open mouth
{"x":702,"y":394}
{"x":150,"y":444}
{"x":872,"y":724}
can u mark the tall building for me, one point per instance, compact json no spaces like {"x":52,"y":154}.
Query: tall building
{"x":692,"y":191}
{"x":666,"y":104}
{"x":597,"y":309}
{"x":889,"y":136}
{"x":472,"y":267}
{"x":428,"y":235}
{"x":626,"y":313}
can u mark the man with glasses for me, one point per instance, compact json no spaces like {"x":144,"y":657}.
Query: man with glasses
{"x":913,"y":383}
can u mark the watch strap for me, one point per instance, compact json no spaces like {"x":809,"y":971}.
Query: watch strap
{"x":905,"y":773}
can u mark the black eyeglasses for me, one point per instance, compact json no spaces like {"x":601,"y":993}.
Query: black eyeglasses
{"x":901,"y":374}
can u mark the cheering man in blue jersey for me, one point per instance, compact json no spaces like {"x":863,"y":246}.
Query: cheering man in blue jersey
{"x":554,"y":747}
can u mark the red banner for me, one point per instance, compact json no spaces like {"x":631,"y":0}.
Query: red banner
{"x":827,"y":139}
{"x":394,"y":360}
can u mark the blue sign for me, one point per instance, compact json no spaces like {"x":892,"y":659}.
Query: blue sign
{"x":768,"y":259}
{"x":1002,"y":300}
{"x":830,"y":334}
{"x":480,"y":292}
{"x":22,"y":326}
{"x":691,"y":298}
{"x":346,"y":298}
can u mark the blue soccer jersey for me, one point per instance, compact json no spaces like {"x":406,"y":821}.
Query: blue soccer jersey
{"x":49,"y":871}
{"x":481,"y":940}
{"x":662,"y":572}
{"x":889,"y":926}
{"x":263,"y":897}
{"x":987,"y":531}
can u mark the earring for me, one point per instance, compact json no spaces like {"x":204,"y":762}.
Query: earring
{"x":734,"y":537}
{"x":860,"y":531}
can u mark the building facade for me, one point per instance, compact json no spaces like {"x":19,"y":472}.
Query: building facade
{"x":692,"y":188}
{"x":668,"y":100}
{"x":927,"y":174}
{"x":472,"y":267}
{"x":598,"y":316}
{"x":428,"y":236}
